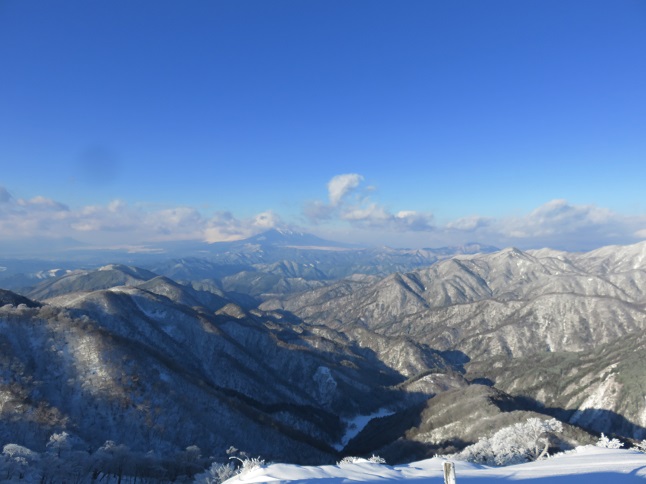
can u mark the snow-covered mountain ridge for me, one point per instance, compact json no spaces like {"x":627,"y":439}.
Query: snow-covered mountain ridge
{"x":449,"y":352}
{"x":128,"y":362}
{"x":502,"y":310}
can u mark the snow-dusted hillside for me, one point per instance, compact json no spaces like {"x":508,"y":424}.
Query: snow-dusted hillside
{"x":550,"y":327}
{"x":451,"y":352}
{"x":126,"y":363}
{"x":584,"y":465}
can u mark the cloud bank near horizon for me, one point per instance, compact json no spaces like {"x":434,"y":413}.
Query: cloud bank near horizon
{"x":351,"y":210}
{"x":121,"y":223}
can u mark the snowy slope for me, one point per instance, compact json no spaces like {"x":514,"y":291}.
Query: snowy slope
{"x":585,"y":465}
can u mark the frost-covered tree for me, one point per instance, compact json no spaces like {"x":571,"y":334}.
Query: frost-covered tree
{"x":249,"y":464}
{"x":521,"y":442}
{"x":189,"y":462}
{"x":375,"y":459}
{"x":216,"y":474}
{"x":640,"y":446}
{"x":20,"y":462}
{"x":112,"y":459}
{"x":609,"y":443}
{"x":59,"y":443}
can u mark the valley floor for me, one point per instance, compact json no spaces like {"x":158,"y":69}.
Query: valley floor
{"x":584,"y":465}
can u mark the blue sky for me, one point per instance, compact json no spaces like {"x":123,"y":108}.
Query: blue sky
{"x":415,"y":123}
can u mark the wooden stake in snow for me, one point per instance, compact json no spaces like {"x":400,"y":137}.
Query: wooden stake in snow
{"x":449,"y":472}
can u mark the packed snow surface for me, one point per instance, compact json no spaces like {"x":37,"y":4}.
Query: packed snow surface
{"x":585,"y":465}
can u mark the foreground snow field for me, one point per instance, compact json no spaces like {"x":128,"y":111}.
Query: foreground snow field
{"x":585,"y":465}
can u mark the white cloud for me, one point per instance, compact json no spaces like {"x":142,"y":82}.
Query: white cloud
{"x":340,"y":185}
{"x":370,"y":214}
{"x":42,"y":203}
{"x":117,"y":222}
{"x":363,"y":211}
{"x":176,"y":223}
{"x":472,"y":222}
{"x":224,"y":227}
{"x":266,"y":220}
{"x":559,"y":217}
{"x":116,"y":205}
{"x":377,"y":216}
{"x":415,"y":221}
{"x":557,"y":224}
{"x":113,"y":219}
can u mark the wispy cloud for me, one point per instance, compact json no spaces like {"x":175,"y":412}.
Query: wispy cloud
{"x":340,"y":185}
{"x":557,"y":224}
{"x":471,"y":223}
{"x":352,"y":203}
{"x":119,"y":222}
{"x":224,"y":226}
{"x":37,"y":216}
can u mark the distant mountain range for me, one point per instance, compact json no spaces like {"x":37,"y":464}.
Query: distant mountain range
{"x":282,"y":238}
{"x":274,"y":344}
{"x":274,"y":262}
{"x":527,"y":322}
